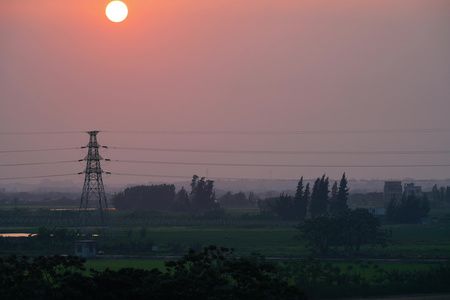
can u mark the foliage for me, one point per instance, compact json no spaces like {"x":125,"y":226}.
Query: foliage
{"x":339,"y":196}
{"x":349,"y":230}
{"x":440,"y":196}
{"x":143,"y":197}
{"x":319,"y":197}
{"x":202,"y":194}
{"x":284,"y":207}
{"x":359,"y":227}
{"x":361,"y":279}
{"x":234,"y":200}
{"x":40,"y":278}
{"x":410,"y":209}
{"x":181,"y":201}
{"x":301,"y":200}
{"x":318,"y":233}
{"x":210,"y":274}
{"x":215,"y":273}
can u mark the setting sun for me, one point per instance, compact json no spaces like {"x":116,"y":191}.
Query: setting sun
{"x":116,"y":11}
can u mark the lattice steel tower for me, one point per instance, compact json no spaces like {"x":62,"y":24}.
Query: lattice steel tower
{"x":93,"y":206}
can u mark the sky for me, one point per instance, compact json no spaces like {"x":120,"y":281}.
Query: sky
{"x":360,"y":78}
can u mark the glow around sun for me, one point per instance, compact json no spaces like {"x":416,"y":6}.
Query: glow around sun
{"x":116,"y":11}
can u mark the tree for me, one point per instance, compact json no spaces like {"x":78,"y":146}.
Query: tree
{"x":440,"y":196}
{"x":333,"y":198}
{"x":284,"y":207}
{"x":318,"y":233}
{"x":234,"y":200}
{"x":40,"y":278}
{"x":348,"y":230}
{"x":209,"y":274}
{"x":202,"y":194}
{"x":181,"y":200}
{"x":339,"y":200}
{"x":215,"y":274}
{"x":306,"y":198}
{"x":359,"y":227}
{"x":319,"y":196}
{"x":144,"y":197}
{"x":410,"y":209}
{"x":300,"y":203}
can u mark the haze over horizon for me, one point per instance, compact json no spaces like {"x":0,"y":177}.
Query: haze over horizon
{"x":272,"y":89}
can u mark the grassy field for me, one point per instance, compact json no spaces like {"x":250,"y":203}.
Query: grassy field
{"x":266,"y":237}
{"x":245,"y":241}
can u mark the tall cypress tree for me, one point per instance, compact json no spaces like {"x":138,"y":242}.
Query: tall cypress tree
{"x":334,"y":192}
{"x":319,"y":196}
{"x":305,"y":201}
{"x":298,"y":198}
{"x":339,"y":196}
{"x":342,"y":195}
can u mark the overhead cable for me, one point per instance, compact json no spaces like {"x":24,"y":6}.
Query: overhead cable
{"x":40,"y":163}
{"x":280,"y":132}
{"x":39,"y":150}
{"x":279,"y":165}
{"x":38,"y":176}
{"x":309,"y":152}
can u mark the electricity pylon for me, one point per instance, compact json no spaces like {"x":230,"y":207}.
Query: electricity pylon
{"x":93,"y":204}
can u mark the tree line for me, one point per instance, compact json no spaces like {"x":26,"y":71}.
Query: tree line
{"x":314,"y":203}
{"x":440,"y":196}
{"x":408,"y":209}
{"x":164,"y":197}
{"x":213,"y":273}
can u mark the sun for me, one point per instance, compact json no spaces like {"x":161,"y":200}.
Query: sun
{"x":116,"y":11}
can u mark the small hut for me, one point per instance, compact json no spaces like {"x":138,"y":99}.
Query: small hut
{"x":85,"y":248}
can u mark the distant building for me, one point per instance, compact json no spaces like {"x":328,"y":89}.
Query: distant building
{"x":411,"y":189}
{"x":392,"y":189}
{"x":85,"y":248}
{"x":377,"y":211}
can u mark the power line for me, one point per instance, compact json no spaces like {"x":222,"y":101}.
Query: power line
{"x":278,"y":165}
{"x":246,"y":132}
{"x":38,"y":176}
{"x":278,"y":132}
{"x":261,"y":179}
{"x":42,"y":132}
{"x":310,"y":152}
{"x":39,"y":150}
{"x":214,"y":178}
{"x":40,"y":163}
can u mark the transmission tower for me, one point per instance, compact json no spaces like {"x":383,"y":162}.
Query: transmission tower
{"x":93,"y":205}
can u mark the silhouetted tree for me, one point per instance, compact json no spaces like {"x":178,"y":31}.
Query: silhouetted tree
{"x":333,"y":198}
{"x":284,"y":207}
{"x":359,"y":227}
{"x":234,"y":200}
{"x":319,"y":196}
{"x":181,"y":200}
{"x":306,"y":197}
{"x":144,"y":197}
{"x":348,"y":229}
{"x":300,"y":201}
{"x":202,"y":194}
{"x":339,"y":200}
{"x":410,"y":209}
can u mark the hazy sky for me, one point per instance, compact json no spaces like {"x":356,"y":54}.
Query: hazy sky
{"x":228,"y":65}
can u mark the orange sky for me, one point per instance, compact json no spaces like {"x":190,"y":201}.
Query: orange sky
{"x":228,"y":65}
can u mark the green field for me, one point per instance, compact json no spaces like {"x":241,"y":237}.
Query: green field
{"x":174,"y":234}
